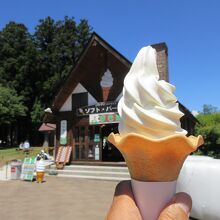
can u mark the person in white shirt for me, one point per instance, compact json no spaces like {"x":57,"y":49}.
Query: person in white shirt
{"x":26,"y":145}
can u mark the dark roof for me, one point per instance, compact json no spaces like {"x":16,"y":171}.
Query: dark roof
{"x":97,"y":56}
{"x":187,"y":112}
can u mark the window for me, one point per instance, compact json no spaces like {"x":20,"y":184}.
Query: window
{"x":79,"y":99}
{"x":91,"y":133}
{"x":77,"y":151}
{"x":82,"y":134}
{"x":76,"y":134}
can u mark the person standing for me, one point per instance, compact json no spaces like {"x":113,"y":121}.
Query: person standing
{"x":26,"y":145}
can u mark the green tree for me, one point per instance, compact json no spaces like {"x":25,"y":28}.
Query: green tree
{"x":37,"y":112}
{"x":18,"y":60}
{"x":11,"y":109}
{"x":35,"y":65}
{"x":209,"y":128}
{"x":59,"y":45}
{"x":209,"y":109}
{"x":18,"y":68}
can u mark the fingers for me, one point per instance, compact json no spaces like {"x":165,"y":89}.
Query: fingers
{"x":124,"y":189}
{"x":178,"y":209}
{"x":123,"y":206}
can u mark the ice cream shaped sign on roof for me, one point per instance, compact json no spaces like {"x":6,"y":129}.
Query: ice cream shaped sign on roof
{"x":106,"y":83}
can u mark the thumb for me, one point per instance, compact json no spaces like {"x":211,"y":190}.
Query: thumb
{"x":178,"y":209}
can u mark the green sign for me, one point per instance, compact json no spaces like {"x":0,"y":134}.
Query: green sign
{"x":105,"y":118}
{"x":63,"y":132}
{"x":28,"y":168}
{"x":97,"y":138}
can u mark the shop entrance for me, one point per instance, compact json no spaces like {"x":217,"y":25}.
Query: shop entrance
{"x":91,"y":144}
{"x":87,"y":142}
{"x":109,"y":151}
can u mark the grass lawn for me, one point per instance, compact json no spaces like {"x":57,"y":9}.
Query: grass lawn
{"x":9,"y":154}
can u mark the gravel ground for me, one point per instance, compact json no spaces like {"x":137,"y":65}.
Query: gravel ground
{"x":56,"y":198}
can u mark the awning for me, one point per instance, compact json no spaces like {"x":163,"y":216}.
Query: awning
{"x":47,"y":127}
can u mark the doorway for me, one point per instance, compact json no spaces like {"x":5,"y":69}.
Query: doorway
{"x":87,"y":142}
{"x":109,"y":151}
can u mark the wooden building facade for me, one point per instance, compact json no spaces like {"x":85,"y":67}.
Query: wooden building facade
{"x":85,"y":109}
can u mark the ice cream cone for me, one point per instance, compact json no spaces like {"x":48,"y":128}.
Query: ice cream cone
{"x":155,"y":160}
{"x":105,"y":93}
{"x":154,"y":166}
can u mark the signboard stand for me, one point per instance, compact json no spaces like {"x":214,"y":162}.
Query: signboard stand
{"x":63,"y":156}
{"x":28,"y":168}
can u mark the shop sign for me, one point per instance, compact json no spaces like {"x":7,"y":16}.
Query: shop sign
{"x":63,"y":132}
{"x":97,"y":138}
{"x":105,"y":118}
{"x":101,"y":107}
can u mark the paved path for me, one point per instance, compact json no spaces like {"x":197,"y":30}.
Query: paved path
{"x":57,"y":198}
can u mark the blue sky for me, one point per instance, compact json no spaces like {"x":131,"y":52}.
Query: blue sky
{"x":190,"y":28}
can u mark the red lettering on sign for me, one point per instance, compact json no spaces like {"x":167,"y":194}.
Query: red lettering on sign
{"x":13,"y":169}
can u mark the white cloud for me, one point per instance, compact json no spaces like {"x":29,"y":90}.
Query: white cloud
{"x":195,"y":113}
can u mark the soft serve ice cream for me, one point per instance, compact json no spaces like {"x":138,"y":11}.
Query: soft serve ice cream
{"x":148,"y":106}
{"x":150,"y":137}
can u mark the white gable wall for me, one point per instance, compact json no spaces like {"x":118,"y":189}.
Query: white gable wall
{"x":67,"y":106}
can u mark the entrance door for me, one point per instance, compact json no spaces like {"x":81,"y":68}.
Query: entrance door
{"x":80,"y":143}
{"x":87,"y":142}
{"x":109,"y":151}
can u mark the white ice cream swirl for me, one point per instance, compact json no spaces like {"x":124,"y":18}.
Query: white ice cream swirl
{"x":148,"y":106}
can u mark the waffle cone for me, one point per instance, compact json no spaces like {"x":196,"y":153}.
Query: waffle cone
{"x":105,"y":93}
{"x":155,"y":160}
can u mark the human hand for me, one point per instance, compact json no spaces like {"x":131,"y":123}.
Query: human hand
{"x":124,"y":208}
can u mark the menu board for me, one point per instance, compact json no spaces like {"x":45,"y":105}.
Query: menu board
{"x":63,"y":132}
{"x":28,"y":168}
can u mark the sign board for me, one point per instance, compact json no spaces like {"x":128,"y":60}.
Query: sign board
{"x":97,"y":138}
{"x":101,"y":107}
{"x":63,"y":154}
{"x":63,"y":132}
{"x":97,"y":152}
{"x":28,"y":168}
{"x":104,"y":118}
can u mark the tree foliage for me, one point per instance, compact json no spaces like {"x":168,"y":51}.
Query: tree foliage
{"x":209,"y":128}
{"x":33,"y":66}
{"x":17,"y":60}
{"x":11,"y":106}
{"x":209,"y":109}
{"x":59,"y":45}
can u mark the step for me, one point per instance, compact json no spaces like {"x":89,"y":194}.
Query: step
{"x":112,"y":178}
{"x":91,"y":172}
{"x":91,"y":167}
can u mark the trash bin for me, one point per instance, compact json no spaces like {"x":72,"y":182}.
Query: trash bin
{"x":16,"y":166}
